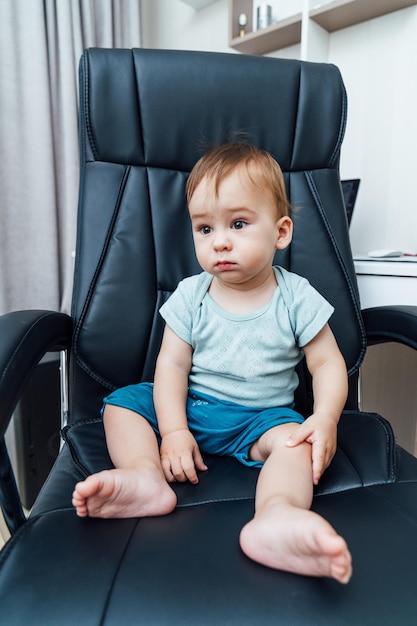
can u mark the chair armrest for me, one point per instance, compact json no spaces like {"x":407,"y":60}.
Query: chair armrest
{"x":25,"y":336}
{"x":391,"y":323}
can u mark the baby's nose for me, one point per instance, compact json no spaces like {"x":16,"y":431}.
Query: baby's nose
{"x":222,"y":241}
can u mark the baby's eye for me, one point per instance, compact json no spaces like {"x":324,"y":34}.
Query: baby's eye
{"x":239,"y":224}
{"x":205,"y":230}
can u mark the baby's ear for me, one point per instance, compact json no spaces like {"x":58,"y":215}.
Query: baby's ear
{"x":284,"y":232}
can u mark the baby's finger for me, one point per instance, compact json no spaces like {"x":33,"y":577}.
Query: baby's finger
{"x":166,"y":468}
{"x":178,"y":470}
{"x":299,"y":434}
{"x":188,"y":467}
{"x":198,"y":460}
{"x":319,"y":461}
{"x":172,"y":470}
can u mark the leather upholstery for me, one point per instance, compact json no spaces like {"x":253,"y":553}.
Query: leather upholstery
{"x":145,"y":118}
{"x":391,"y":323}
{"x":26,"y":336}
{"x":141,"y":134}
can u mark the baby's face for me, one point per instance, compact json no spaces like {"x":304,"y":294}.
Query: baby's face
{"x":237,"y":231}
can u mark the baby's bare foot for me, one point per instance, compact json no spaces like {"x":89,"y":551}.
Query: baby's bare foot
{"x":123,"y":493}
{"x":298,"y":541}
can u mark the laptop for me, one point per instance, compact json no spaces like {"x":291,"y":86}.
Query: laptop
{"x":350,"y":192}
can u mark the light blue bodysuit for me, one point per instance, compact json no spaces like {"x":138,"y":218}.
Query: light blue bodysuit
{"x":243,"y":378}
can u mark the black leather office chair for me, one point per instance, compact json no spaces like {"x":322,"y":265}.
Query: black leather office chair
{"x":145,"y":118}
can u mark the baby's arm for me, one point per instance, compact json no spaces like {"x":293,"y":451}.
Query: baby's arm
{"x":180,"y":455}
{"x":330,"y":386}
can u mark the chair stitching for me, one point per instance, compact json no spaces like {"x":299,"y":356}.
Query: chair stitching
{"x":116,"y":572}
{"x":86,"y":105}
{"x":313,"y":189}
{"x":342,"y":127}
{"x":77,"y":331}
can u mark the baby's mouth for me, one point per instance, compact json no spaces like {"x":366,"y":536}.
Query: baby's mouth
{"x":225,"y":265}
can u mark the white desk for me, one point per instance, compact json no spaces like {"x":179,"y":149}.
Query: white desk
{"x":389,"y":371}
{"x":386,"y":282}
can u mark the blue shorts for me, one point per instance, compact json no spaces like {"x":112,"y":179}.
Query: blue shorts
{"x":219,"y":427}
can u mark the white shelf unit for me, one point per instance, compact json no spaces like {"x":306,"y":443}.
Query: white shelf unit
{"x":330,"y":16}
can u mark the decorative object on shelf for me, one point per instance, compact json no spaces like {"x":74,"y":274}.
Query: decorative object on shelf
{"x":331,"y":16}
{"x":243,"y":22}
{"x":264,"y":16}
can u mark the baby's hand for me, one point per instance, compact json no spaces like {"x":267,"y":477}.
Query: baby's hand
{"x":320,"y":430}
{"x":180,"y":456}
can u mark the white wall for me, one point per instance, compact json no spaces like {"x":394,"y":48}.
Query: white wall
{"x":378,"y":61}
{"x":174,"y":25}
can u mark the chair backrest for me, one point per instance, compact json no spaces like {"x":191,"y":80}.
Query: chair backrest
{"x":146,"y":116}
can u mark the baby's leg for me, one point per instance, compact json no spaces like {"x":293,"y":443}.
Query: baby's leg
{"x":284,"y":533}
{"x":137,"y":486}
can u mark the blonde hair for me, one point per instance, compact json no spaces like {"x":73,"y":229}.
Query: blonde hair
{"x":262,"y":169}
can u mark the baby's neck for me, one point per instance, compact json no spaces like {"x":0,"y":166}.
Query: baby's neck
{"x":236,"y":299}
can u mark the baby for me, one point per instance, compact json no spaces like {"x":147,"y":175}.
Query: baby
{"x":225,"y":376}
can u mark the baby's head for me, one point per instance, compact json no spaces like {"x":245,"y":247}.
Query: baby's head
{"x":258,"y":165}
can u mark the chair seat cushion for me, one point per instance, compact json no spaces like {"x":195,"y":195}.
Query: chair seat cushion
{"x":132,"y":583}
{"x":226,"y":478}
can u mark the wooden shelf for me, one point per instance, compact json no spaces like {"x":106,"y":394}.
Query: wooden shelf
{"x":331,"y":16}
{"x":279,"y":35}
{"x":344,"y":13}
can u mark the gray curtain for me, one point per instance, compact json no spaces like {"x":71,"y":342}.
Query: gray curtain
{"x":41,"y":42}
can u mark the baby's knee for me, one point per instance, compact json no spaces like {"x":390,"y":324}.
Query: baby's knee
{"x":275,"y":437}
